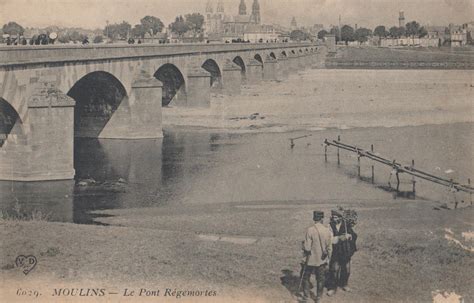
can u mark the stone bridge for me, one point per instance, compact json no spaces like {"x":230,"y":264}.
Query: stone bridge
{"x":51,"y":94}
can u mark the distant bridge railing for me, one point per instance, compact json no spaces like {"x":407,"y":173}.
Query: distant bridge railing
{"x":348,"y":64}
{"x":21,"y":55}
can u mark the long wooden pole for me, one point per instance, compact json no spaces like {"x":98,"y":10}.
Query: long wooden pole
{"x":403,"y":169}
{"x":338,"y":159}
{"x":470,"y":194}
{"x":373,"y":168}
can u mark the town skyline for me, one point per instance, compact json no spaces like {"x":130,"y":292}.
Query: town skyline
{"x":92,"y":14}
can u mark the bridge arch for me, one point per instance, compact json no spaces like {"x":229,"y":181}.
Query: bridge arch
{"x":293,"y":52}
{"x":272,"y":54}
{"x":97,"y":95}
{"x":212,"y":68}
{"x":240,"y":62}
{"x":258,"y":58}
{"x":173,"y":83}
{"x":10,"y":122}
{"x":284,"y":54}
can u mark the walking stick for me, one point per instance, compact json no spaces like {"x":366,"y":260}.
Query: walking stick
{"x":302,"y":274}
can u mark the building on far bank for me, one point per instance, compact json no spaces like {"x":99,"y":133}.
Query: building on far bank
{"x":261,"y":33}
{"x":408,"y":41}
{"x":220,"y":26}
{"x":458,"y":35}
{"x":438,"y":32}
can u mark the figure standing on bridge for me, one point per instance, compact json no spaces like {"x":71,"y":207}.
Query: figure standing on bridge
{"x":317,"y":249}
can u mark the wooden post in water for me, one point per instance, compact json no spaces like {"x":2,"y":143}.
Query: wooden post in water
{"x":358,"y":164}
{"x":398,"y":181}
{"x":413,"y":177}
{"x":325,"y":151}
{"x":470,"y":193}
{"x":373,"y":170}
{"x":338,"y":158}
{"x":394,"y":168}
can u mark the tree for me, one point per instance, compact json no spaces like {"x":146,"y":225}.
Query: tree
{"x":62,"y":38}
{"x":347,"y":33}
{"x":139,"y":31}
{"x":179,"y":26}
{"x":362,"y":34}
{"x":120,"y":31}
{"x":298,"y":35}
{"x":397,"y":32}
{"x":422,"y":32}
{"x":152,"y":24}
{"x":194,"y":22}
{"x":13,"y":29}
{"x":412,"y":29}
{"x":335,"y":31}
{"x":380,"y":31}
{"x":98,"y":39}
{"x":322,"y":34}
{"x":75,"y":36}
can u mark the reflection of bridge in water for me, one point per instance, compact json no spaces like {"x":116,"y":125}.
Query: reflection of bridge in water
{"x":116,"y":92}
{"x":113,"y":174}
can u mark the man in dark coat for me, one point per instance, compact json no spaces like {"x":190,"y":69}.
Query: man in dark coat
{"x":344,"y":246}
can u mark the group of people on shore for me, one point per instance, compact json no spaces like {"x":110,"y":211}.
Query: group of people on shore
{"x":328,"y":252}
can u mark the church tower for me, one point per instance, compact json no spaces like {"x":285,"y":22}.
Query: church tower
{"x":209,"y":7}
{"x":255,"y":17}
{"x":242,"y":8}
{"x":220,"y":7}
{"x":401,"y":19}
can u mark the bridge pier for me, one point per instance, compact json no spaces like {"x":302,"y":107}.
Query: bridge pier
{"x":270,"y":69}
{"x":199,"y":88}
{"x":44,"y":148}
{"x":140,"y":117}
{"x":232,"y":79}
{"x":293,"y":63}
{"x":306,"y":60}
{"x":301,"y":61}
{"x":283,"y":68}
{"x":254,"y":72}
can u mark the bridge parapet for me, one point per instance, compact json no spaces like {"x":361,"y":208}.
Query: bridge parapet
{"x":21,"y":55}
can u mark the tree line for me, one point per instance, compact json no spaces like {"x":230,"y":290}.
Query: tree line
{"x":347,"y":33}
{"x":151,"y":25}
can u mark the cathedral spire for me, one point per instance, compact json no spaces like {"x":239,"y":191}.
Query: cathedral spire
{"x":209,"y":7}
{"x":255,"y":17}
{"x":220,"y":7}
{"x":242,"y":8}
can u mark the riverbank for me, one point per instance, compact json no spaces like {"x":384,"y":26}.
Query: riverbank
{"x":317,"y":99}
{"x":402,"y":58}
{"x":242,"y":251}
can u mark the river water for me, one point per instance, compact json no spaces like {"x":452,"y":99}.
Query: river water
{"x":225,"y":155}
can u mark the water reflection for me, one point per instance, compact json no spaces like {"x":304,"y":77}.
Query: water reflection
{"x":115,"y":174}
{"x":194,"y":168}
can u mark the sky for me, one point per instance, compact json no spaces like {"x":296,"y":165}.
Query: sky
{"x":369,"y":13}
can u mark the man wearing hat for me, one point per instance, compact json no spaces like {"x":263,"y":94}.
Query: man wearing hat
{"x":344,"y":246}
{"x":317,"y":247}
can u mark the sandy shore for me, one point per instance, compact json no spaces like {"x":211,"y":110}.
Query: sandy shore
{"x":242,"y":250}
